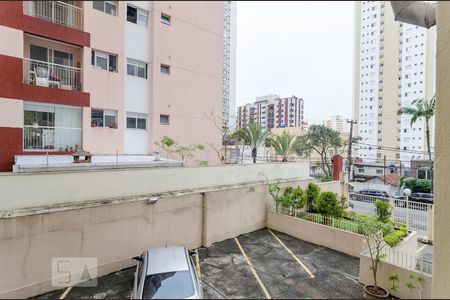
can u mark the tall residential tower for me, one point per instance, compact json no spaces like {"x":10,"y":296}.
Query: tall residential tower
{"x":229,"y":65}
{"x":394,"y":64}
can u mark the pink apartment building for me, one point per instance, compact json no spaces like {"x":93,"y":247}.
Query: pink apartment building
{"x":107,"y":76}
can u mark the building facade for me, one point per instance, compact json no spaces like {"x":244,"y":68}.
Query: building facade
{"x":108,"y":76}
{"x":394,"y":64}
{"x":337,"y":123}
{"x":272,"y":111}
{"x":229,"y":65}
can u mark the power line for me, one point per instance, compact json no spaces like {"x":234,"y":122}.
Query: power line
{"x":387,"y":148}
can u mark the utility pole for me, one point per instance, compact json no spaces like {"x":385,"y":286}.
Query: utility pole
{"x":350,"y":142}
{"x":384,"y":169}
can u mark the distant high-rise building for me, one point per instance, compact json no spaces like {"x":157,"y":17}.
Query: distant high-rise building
{"x":271,"y":111}
{"x":394,"y":64}
{"x":229,"y":64}
{"x":337,"y":123}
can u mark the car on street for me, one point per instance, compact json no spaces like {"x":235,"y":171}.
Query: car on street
{"x":372,"y":193}
{"x":166,"y":273}
{"x":422,"y":197}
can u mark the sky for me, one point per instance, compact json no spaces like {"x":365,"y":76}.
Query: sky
{"x":297,"y":48}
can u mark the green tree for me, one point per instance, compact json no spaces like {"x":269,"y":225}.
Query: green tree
{"x":328,"y":204}
{"x":254,"y":136}
{"x":321,"y":139}
{"x":166,"y":143}
{"x":421,"y":108}
{"x":312,"y":194}
{"x":285,"y":144}
{"x":187,"y":151}
{"x":374,"y":232}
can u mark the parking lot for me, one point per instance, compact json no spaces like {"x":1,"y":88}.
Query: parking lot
{"x":261,"y":264}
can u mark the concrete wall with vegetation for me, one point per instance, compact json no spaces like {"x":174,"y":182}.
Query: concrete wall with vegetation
{"x":339,"y":240}
{"x":19,"y":191}
{"x":386,"y":270}
{"x":116,"y":229}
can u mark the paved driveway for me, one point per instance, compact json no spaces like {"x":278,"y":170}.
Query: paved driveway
{"x":260,"y":264}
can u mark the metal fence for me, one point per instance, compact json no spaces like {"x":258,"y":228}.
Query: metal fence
{"x":56,"y":12}
{"x":338,"y":223}
{"x":51,"y":75}
{"x":51,"y":138}
{"x":415,"y":214}
{"x":406,"y":260}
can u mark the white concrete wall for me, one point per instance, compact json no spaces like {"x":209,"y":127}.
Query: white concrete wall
{"x":115,"y":231}
{"x":386,"y":270}
{"x":333,"y":238}
{"x":47,"y":189}
{"x":137,"y":90}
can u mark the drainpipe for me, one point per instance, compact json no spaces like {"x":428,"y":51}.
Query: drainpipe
{"x":419,"y":13}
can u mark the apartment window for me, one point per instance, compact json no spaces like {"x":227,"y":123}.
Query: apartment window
{"x":164,"y":119}
{"x":136,"y":120}
{"x":136,"y":68}
{"x":103,"y":118}
{"x":109,"y":7}
{"x":165,"y":69}
{"x":137,"y":16}
{"x":51,"y":127}
{"x":165,"y":19}
{"x":104,"y":61}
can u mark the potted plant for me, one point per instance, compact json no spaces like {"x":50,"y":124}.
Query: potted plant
{"x":374,"y":232}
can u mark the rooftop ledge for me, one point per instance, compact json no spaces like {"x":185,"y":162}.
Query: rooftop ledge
{"x":50,"y":163}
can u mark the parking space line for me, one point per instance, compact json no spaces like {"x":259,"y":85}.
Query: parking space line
{"x":292,"y":254}
{"x":421,"y":248}
{"x":266,"y":292}
{"x":197,"y":262}
{"x":65,"y":293}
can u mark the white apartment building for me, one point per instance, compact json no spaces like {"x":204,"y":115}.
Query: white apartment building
{"x":337,"y":123}
{"x":271,"y":111}
{"x":229,"y":64}
{"x":394,"y":64}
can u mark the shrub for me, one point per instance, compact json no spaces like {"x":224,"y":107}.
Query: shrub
{"x":312,"y":194}
{"x":392,"y":239}
{"x":395,"y":237}
{"x":384,"y":210}
{"x":418,"y":185}
{"x":274,"y":191}
{"x":326,"y":178}
{"x":422,"y":186}
{"x":328,"y":205}
{"x":299,"y":196}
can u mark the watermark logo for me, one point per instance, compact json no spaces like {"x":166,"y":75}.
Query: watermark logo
{"x":70,"y":271}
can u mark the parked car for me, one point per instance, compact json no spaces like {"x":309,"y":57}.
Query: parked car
{"x":166,"y":273}
{"x":380,"y":195}
{"x":422,"y":197}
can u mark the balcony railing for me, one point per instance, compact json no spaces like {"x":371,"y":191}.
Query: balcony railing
{"x":51,"y":75}
{"x":56,"y":12}
{"x":51,"y":138}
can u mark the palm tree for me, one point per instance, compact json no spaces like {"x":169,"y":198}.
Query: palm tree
{"x":421,"y":108}
{"x":285,"y":144}
{"x":254,"y":136}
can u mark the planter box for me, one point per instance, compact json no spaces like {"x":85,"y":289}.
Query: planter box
{"x":330,"y":237}
{"x":386,"y":270}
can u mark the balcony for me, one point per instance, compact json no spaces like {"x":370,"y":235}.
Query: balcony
{"x":53,"y":75}
{"x":58,"y":12}
{"x":46,"y":138}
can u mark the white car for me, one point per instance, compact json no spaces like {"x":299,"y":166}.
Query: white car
{"x":166,"y":273}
